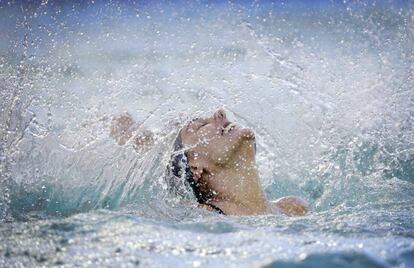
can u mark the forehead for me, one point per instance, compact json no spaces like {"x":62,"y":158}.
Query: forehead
{"x":195,"y":123}
{"x":197,"y":119}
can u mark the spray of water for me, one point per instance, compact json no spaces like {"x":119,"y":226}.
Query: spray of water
{"x":328,"y":93}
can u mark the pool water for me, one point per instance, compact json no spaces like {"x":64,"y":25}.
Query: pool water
{"x":325,"y":85}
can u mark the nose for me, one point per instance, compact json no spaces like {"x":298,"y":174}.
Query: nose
{"x":220,"y":116}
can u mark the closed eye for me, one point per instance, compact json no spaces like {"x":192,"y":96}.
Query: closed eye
{"x":200,"y":126}
{"x":203,"y":125}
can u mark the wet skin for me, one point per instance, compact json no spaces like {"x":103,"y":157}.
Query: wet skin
{"x":221,"y":156}
{"x":124,"y":129}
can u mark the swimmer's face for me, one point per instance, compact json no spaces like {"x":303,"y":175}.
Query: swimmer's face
{"x":215,"y":140}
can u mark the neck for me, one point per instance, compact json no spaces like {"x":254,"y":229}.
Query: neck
{"x":238,"y":185}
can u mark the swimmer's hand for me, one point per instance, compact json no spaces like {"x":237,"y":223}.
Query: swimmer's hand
{"x":143,"y":138}
{"x":124,"y":129}
{"x":290,"y":205}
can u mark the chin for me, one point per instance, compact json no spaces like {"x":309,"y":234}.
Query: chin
{"x":247,"y":134}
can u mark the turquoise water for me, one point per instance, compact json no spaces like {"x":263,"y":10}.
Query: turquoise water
{"x":326,"y":86}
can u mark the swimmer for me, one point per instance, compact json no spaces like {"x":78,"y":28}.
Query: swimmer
{"x":217,"y":159}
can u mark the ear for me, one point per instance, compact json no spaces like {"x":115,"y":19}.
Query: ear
{"x":197,"y":172}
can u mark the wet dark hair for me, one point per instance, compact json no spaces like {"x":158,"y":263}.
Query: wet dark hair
{"x":179,"y":177}
{"x":180,"y":180}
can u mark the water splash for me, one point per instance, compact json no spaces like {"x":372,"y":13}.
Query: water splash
{"x":329,"y":94}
